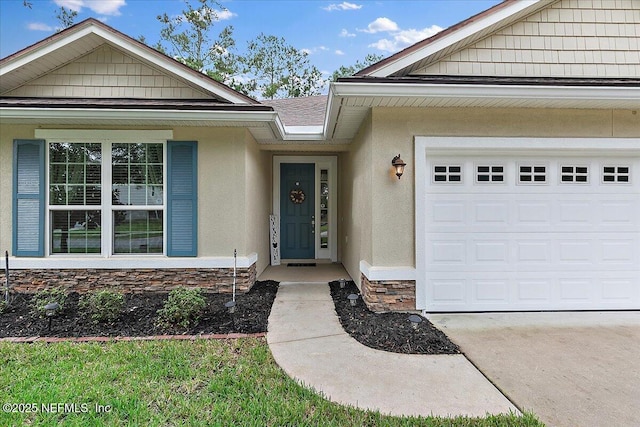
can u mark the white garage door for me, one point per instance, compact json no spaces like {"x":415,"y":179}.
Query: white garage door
{"x":521,"y":232}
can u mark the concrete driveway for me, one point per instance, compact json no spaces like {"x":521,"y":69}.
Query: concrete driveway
{"x":570,"y":369}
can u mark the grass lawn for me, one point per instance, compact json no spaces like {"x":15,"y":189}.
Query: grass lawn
{"x":171,"y":383}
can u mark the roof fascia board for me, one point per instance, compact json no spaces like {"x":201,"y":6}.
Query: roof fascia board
{"x":44,"y":50}
{"x":333,"y":110}
{"x":8,"y":113}
{"x":270,"y":118}
{"x":486,"y":91}
{"x":454,"y":37}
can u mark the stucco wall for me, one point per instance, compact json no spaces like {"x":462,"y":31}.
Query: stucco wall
{"x":355,"y":232}
{"x":393,"y":131}
{"x":221,"y":189}
{"x":223,"y":161}
{"x":258,"y":198}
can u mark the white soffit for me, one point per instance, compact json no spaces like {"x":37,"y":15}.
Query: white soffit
{"x":349,"y":103}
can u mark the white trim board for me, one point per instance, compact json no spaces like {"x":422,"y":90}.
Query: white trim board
{"x":90,"y":135}
{"x":470,"y":145}
{"x":387,"y":273}
{"x":128,"y":262}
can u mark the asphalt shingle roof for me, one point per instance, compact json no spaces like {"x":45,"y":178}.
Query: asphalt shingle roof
{"x":305,"y":111}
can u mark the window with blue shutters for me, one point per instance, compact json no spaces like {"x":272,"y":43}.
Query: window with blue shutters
{"x":86,"y":197}
{"x":28,"y":198}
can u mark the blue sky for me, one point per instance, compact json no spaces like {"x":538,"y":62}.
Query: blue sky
{"x":333,"y":32}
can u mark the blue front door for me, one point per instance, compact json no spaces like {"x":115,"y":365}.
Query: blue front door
{"x":297,"y":210}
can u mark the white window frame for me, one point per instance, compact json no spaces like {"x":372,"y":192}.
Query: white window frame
{"x":447,"y":173}
{"x":575,"y":174}
{"x":616,"y":174}
{"x":533,"y":165}
{"x":106,"y":138}
{"x":491,"y":174}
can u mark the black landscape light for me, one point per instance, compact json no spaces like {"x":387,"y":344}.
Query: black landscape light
{"x":415,"y":320}
{"x":231,"y":306}
{"x":353,"y":298}
{"x":50,"y":311}
{"x":342,"y":283}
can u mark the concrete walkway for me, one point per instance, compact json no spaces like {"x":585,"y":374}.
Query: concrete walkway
{"x":308,"y":342}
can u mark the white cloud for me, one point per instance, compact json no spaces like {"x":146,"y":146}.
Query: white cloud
{"x":314,"y":50}
{"x":342,"y":6}
{"x":403,"y":38}
{"x":70,"y":4}
{"x":102,"y":7}
{"x":381,"y":25}
{"x":345,"y":33}
{"x":224,"y":15}
{"x":39,"y":26}
{"x":339,"y":52}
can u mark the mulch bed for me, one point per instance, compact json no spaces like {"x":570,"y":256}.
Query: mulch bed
{"x":387,"y":331}
{"x":139,"y":318}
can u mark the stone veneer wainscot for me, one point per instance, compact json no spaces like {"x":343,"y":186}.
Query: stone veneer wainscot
{"x":388,"y":295}
{"x":211,"y":280}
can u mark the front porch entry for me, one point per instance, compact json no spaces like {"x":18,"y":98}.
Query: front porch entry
{"x":304,"y":203}
{"x":324,"y":272}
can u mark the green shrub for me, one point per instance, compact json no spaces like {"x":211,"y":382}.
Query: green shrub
{"x":47,"y":296}
{"x":184,"y":307}
{"x":3,"y":306}
{"x":102,"y":306}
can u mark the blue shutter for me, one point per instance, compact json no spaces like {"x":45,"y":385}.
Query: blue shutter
{"x":28,"y":197}
{"x":182,"y":198}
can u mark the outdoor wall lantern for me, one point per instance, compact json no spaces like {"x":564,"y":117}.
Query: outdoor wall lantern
{"x":399,"y":165}
{"x":50,"y":311}
{"x":353,"y":298}
{"x":415,"y":320}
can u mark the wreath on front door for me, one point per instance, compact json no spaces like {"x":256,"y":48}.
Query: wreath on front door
{"x":296,"y":196}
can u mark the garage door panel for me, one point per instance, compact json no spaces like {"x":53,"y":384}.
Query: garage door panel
{"x":490,"y":291}
{"x":620,"y":252}
{"x":618,"y":290}
{"x":532,"y":291}
{"x":503,"y":213}
{"x":577,"y":290}
{"x":448,"y":213}
{"x":491,"y":213}
{"x":530,"y":251}
{"x":533,"y":251}
{"x":560,"y":244}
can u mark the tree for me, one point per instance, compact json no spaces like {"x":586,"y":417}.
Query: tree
{"x":274,"y":69}
{"x":343,"y":71}
{"x":188,"y":39}
{"x":66,"y":18}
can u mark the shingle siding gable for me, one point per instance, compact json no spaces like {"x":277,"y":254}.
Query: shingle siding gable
{"x":571,"y":38}
{"x":108,"y":73}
